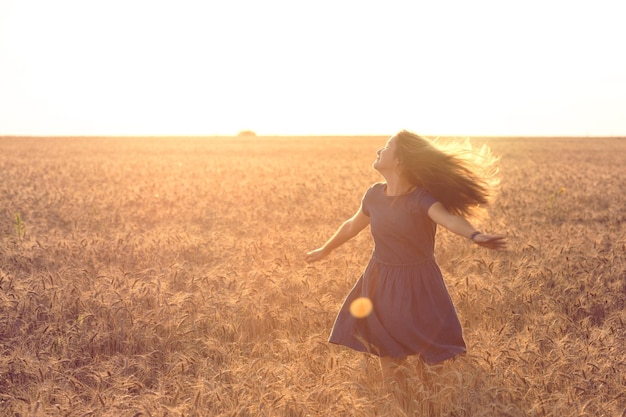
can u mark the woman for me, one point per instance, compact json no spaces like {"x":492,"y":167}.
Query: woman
{"x":411,"y":310}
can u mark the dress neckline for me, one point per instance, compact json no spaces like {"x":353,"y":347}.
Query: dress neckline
{"x":399,"y":195}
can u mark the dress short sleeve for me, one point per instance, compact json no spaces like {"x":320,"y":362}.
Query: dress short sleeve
{"x":422,"y":201}
{"x":365,"y":201}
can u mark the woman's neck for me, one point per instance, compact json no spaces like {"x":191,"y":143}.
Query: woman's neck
{"x":397,"y":185}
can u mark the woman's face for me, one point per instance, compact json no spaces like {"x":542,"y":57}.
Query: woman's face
{"x":386,"y":157}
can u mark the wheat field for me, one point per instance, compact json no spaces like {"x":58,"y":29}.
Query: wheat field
{"x":166,"y":277}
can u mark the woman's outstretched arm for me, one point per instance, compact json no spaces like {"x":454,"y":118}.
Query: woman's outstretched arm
{"x":459,"y":225}
{"x":349,"y":229}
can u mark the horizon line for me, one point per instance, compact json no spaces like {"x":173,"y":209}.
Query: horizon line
{"x":244,"y":135}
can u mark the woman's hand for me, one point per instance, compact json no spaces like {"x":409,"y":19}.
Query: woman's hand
{"x":490,"y":241}
{"x":316,"y":255}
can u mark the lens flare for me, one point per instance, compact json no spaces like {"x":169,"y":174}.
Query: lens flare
{"x":361,"y":307}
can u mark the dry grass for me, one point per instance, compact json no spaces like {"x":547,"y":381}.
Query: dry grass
{"x":165,"y":277}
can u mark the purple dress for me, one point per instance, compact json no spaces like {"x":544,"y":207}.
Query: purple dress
{"x":412,"y":311}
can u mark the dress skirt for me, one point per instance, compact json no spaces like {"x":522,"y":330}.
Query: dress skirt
{"x":412,"y":313}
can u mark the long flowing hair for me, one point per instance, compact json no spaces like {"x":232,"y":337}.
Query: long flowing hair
{"x":461,"y":177}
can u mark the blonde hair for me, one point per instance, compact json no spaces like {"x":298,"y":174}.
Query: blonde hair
{"x":461,"y":177}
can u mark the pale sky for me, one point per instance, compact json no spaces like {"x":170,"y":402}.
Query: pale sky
{"x":181,"y":67}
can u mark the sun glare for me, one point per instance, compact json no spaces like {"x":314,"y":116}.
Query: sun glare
{"x":361,"y":307}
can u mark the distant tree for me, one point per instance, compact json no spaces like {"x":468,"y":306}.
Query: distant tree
{"x":248,"y":133}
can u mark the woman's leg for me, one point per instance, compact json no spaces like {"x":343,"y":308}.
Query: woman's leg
{"x":395,"y":381}
{"x":392,"y":370}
